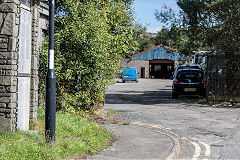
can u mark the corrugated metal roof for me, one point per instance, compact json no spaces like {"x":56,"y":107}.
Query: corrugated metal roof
{"x":160,"y":52}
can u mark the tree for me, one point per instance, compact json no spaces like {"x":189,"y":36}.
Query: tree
{"x":176,"y":38}
{"x":185,"y":33}
{"x":210,"y":24}
{"x":144,"y":40}
{"x":91,"y":38}
{"x":226,"y":31}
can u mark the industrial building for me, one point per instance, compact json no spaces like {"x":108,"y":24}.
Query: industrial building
{"x":157,"y":62}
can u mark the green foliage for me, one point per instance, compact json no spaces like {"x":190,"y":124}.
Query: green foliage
{"x":146,"y":43}
{"x":75,"y":136}
{"x":176,"y":38}
{"x":91,"y":38}
{"x":143,"y":40}
{"x":225,"y":34}
{"x":210,"y":25}
{"x":111,"y":112}
{"x":167,"y":16}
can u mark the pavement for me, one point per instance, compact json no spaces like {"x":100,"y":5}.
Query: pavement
{"x":138,"y":142}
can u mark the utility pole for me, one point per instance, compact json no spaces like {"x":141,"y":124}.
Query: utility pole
{"x":50,"y":111}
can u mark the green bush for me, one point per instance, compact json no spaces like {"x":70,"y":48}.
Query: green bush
{"x":91,"y":38}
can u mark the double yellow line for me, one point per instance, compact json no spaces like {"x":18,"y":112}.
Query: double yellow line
{"x":198,"y":150}
{"x":196,"y":143}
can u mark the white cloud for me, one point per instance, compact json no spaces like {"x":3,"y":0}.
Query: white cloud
{"x":154,"y":30}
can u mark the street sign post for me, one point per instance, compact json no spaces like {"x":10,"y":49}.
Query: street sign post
{"x":50,"y":111}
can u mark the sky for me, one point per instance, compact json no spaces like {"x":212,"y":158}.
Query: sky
{"x":144,"y":12}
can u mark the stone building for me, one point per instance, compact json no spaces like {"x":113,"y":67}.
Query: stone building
{"x":22,"y":24}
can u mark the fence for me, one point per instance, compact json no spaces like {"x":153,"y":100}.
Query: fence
{"x":223,"y":78}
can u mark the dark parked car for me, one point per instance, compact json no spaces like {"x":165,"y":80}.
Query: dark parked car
{"x":193,"y":66}
{"x":189,"y":82}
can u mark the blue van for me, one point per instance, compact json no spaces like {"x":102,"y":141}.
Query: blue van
{"x":130,"y":74}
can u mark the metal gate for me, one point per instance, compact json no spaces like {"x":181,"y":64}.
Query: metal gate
{"x":223,"y":77}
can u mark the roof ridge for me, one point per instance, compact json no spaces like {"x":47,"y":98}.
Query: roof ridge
{"x":160,"y":45}
{"x":145,"y":51}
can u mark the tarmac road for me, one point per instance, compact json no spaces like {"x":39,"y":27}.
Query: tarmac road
{"x":167,"y":128}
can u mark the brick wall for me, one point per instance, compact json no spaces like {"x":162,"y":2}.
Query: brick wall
{"x":138,"y":64}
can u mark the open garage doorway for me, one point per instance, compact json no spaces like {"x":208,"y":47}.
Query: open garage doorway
{"x":162,"y":69}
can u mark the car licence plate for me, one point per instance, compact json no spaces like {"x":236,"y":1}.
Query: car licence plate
{"x":190,"y":89}
{"x":126,"y":76}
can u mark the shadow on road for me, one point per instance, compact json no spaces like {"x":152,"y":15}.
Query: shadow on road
{"x":162,"y":96}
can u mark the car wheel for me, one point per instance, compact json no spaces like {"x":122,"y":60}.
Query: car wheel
{"x":203,"y":95}
{"x":174,"y":95}
{"x":136,"y":81}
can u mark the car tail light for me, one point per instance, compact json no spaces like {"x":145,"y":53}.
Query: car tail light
{"x":176,"y":82}
{"x":203,"y":82}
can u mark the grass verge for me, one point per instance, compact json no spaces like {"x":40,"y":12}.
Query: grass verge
{"x":111,"y":112}
{"x":74,"y":136}
{"x":193,"y":99}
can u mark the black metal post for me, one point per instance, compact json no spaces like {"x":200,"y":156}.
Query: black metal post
{"x":50,"y":112}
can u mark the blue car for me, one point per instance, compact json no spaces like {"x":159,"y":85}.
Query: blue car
{"x":130,"y":74}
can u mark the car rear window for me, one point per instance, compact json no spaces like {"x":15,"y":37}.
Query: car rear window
{"x":189,"y":74}
{"x":186,"y":67}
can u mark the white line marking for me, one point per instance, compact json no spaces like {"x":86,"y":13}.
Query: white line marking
{"x":138,"y":123}
{"x":197,"y":150}
{"x":135,"y":122}
{"x":155,"y":126}
{"x":208,"y":149}
{"x":173,"y":133}
{"x":184,"y":138}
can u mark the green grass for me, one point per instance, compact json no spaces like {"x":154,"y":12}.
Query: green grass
{"x":193,"y":99}
{"x":126,"y":123}
{"x":111,"y":112}
{"x":112,"y":82}
{"x":74,"y":136}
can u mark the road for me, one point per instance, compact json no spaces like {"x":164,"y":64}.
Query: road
{"x":202,"y":132}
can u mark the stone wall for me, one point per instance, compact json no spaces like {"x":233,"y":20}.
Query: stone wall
{"x":10,"y":61}
{"x":35,"y":60}
{"x":9,"y":21}
{"x":39,"y":33}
